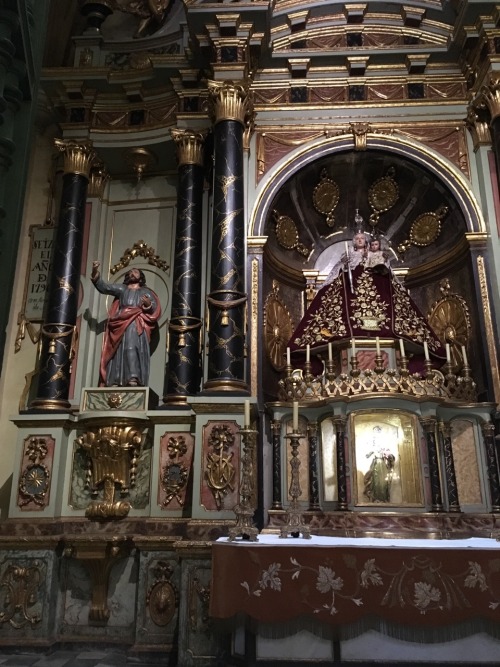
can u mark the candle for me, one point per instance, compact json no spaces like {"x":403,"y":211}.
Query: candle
{"x":402,"y":347}
{"x":353,"y":347}
{"x":288,"y":356}
{"x":448,"y":355}
{"x":464,"y":355}
{"x":426,"y":350}
{"x":295,"y":418}
{"x":330,"y":352}
{"x":308,"y":354}
{"x":377,"y":343}
{"x":247,"y":414}
{"x":346,"y":250}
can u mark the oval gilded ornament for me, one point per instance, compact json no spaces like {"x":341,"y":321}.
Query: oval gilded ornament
{"x":162,"y":603}
{"x":325,"y":197}
{"x":427,"y":227}
{"x":383,"y":194}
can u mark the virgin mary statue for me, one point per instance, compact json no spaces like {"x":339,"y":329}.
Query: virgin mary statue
{"x":361,"y":298}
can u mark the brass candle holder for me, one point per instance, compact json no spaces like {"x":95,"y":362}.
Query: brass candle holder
{"x":295,"y":525}
{"x":245,"y":527}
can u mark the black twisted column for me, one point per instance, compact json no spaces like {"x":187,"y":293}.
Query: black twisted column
{"x":312,"y":432}
{"x":340,"y":423}
{"x":276,"y":440}
{"x":488,"y":430}
{"x":58,"y":330}
{"x":230,"y":107}
{"x":449,"y":467}
{"x":184,"y":346}
{"x":429,"y":426}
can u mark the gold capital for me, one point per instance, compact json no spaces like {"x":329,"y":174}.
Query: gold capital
{"x":99,"y":176}
{"x":428,"y":424}
{"x":189,"y":146}
{"x":490,"y":95}
{"x":478,"y":126}
{"x":230,"y":101}
{"x":488,"y":429}
{"x":78,"y":156}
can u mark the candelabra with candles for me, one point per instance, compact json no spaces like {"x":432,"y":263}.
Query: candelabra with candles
{"x":444,"y":383}
{"x":295,"y":526}
{"x":245,"y":527}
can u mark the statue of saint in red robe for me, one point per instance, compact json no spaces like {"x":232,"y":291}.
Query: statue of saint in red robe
{"x":125,"y":359}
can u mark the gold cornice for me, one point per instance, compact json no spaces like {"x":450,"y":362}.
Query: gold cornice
{"x":256,"y":241}
{"x":477,"y":240}
{"x":230,"y":101}
{"x":189,"y":146}
{"x":78,"y":156}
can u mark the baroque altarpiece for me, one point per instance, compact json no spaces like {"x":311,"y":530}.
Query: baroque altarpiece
{"x":233,"y":152}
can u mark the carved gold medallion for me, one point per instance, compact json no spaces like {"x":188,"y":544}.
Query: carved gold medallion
{"x":427,"y":227}
{"x":287,"y":234}
{"x":325,"y":197}
{"x":382,"y":195}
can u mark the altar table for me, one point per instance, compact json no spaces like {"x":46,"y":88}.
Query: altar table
{"x":339,"y":581}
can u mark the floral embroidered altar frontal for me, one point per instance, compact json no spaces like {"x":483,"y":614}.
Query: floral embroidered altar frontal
{"x":341,"y":581}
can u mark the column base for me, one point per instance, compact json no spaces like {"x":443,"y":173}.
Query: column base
{"x":225,"y":385}
{"x":50,"y":404}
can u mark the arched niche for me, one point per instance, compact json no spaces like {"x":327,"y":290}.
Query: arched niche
{"x":425,"y":182}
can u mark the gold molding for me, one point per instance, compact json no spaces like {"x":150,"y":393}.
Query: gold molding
{"x":189,"y":146}
{"x":78,"y":156}
{"x":254,"y":315}
{"x":488,"y":324}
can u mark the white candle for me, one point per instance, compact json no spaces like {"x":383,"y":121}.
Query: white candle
{"x":247,"y":414}
{"x":347,"y":250}
{"x":330,"y":352}
{"x":295,"y":418}
{"x":353,"y":347}
{"x":426,"y":350}
{"x":464,"y":355}
{"x":402,"y":347}
{"x":448,"y":355}
{"x":377,"y":343}
{"x":308,"y":354}
{"x":288,"y":356}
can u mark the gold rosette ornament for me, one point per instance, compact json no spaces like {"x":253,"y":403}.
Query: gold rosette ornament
{"x":277,"y":330}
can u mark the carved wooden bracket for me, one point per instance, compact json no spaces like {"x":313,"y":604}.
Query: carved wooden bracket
{"x":98,"y":558}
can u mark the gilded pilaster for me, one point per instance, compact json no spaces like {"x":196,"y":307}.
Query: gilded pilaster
{"x":429,"y":427}
{"x":229,"y":105}
{"x":59,"y":328}
{"x":184,"y":349}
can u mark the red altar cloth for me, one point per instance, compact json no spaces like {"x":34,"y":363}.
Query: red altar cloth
{"x":343,"y":580}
